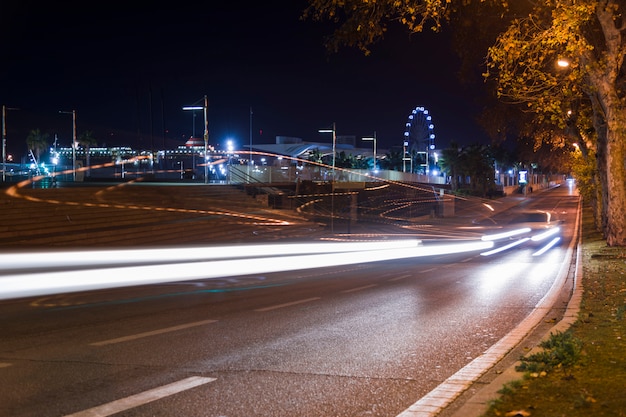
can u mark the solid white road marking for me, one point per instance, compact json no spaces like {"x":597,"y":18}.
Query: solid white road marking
{"x":143,"y":397}
{"x":306,"y":300}
{"x":152,"y":333}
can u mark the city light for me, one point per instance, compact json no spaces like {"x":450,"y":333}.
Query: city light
{"x":563,"y":63}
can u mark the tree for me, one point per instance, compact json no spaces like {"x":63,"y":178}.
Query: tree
{"x":37,"y":142}
{"x":317,"y":157}
{"x":87,"y":140}
{"x":362,"y":23}
{"x":450,"y":163}
{"x":523,"y":64}
{"x":343,"y":160}
{"x":477,"y":163}
{"x":586,"y":38}
{"x":392,"y":160}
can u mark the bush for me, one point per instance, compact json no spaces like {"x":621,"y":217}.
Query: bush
{"x":560,"y":350}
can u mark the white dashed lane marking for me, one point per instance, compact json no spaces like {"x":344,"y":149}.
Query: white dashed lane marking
{"x":293,"y":303}
{"x":152,"y":333}
{"x":143,"y":397}
{"x":359,"y":288}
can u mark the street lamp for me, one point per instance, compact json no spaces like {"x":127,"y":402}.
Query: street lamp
{"x":373,"y":138}
{"x":230,"y":147}
{"x":73,"y":113}
{"x":4,"y":139}
{"x":204,"y":107}
{"x":250,"y":155}
{"x":4,"y":142}
{"x":334,"y":132}
{"x":332,"y":184}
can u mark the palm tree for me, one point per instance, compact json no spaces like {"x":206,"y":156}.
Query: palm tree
{"x":37,"y":142}
{"x":478,"y":164}
{"x":87,"y":140}
{"x":316,"y":156}
{"x":393,"y":160}
{"x":450,"y":163}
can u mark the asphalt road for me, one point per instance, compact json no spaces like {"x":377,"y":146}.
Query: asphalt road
{"x":368,"y":339}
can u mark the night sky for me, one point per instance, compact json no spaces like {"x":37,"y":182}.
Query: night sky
{"x":128,"y":70}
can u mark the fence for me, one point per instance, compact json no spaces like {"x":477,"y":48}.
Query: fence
{"x":242,"y":174}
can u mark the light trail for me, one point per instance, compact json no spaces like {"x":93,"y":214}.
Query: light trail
{"x":30,"y":284}
{"x":505,"y":247}
{"x":41,"y":260}
{"x":546,"y":234}
{"x":507,"y":234}
{"x":547,"y":247}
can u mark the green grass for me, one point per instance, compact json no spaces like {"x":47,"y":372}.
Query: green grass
{"x":582,"y":371}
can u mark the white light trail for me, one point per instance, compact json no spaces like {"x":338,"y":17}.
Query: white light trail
{"x":29,"y":284}
{"x":505,"y":247}
{"x":42,"y":260}
{"x":546,"y":234}
{"x":507,"y":234}
{"x":547,"y":247}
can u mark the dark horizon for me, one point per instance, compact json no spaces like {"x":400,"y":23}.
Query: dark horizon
{"x":128,"y":73}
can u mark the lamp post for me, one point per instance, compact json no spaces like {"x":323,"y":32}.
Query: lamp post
{"x":73,"y":113}
{"x":204,"y":108}
{"x":332,"y":184}
{"x":334,"y":132}
{"x":373,"y":138}
{"x":4,"y":139}
{"x":4,"y":142}
{"x":229,"y":147}
{"x":250,"y":155}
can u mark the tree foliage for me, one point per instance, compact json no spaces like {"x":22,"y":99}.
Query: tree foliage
{"x":37,"y":141}
{"x":87,"y":140}
{"x":362,"y":23}
{"x":475,"y":162}
{"x":587,"y":36}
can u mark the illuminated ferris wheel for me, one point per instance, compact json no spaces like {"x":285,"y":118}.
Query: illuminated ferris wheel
{"x":419,"y":139}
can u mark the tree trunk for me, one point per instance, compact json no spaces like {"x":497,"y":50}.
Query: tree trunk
{"x":604,"y":75}
{"x":616,"y":178}
{"x":602,"y":190}
{"x":611,"y":160}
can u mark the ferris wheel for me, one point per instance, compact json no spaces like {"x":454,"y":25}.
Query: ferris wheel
{"x":419,"y":139}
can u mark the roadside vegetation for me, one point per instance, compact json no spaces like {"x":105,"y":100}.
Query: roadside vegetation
{"x":580,"y":372}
